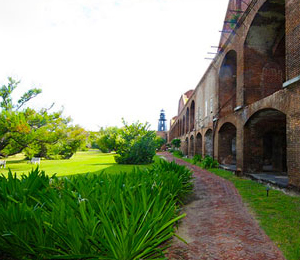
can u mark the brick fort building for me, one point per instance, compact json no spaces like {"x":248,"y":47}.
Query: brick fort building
{"x":245,"y":111}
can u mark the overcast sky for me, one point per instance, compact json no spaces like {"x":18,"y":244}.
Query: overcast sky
{"x":106,"y":59}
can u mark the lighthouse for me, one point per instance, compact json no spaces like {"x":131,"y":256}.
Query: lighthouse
{"x":162,"y":125}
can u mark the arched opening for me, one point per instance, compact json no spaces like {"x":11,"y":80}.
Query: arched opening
{"x":186,"y":147}
{"x":227,"y":84}
{"x":192,"y":146}
{"x":208,"y":145}
{"x":199,"y":144}
{"x":192,"y":120}
{"x":227,"y":144}
{"x":265,"y":142}
{"x":183,"y":125}
{"x":187,"y":120}
{"x":264,"y":52}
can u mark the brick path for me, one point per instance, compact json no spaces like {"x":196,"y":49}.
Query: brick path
{"x":218,"y":226}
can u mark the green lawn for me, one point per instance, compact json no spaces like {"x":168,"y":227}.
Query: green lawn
{"x":82,"y":162}
{"x":278,"y":214}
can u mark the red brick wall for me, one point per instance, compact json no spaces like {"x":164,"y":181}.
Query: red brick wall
{"x":292,"y":38}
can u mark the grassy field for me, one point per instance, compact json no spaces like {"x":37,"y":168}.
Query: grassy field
{"x":92,"y":161}
{"x":278,"y":214}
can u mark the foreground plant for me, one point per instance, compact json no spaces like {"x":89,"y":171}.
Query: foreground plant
{"x":116,"y":216}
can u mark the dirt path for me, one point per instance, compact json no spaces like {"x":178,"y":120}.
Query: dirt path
{"x":218,"y":226}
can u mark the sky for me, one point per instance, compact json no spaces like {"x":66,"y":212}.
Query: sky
{"x":104,"y":60}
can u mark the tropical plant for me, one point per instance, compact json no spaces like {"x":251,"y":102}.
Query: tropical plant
{"x":127,"y":216}
{"x":208,"y":162}
{"x":197,"y":158}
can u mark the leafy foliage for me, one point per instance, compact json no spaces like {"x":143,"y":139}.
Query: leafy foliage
{"x":176,"y":142}
{"x":107,"y":139}
{"x":105,"y":216}
{"x":208,"y":162}
{"x":135,"y":144}
{"x":197,"y":158}
{"x":37,"y":133}
{"x":177,"y":153}
{"x":6,"y":91}
{"x":159,"y":142}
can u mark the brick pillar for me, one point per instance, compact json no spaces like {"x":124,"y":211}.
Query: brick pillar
{"x":240,"y":77}
{"x":293,"y":136}
{"x":239,"y":146}
{"x":292,"y":9}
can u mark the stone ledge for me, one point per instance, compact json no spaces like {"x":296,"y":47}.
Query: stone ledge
{"x":291,"y":81}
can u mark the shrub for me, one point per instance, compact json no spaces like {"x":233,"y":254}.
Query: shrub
{"x":160,"y":142}
{"x":136,"y":144}
{"x":209,"y":162}
{"x":197,"y":158}
{"x":106,"y":141}
{"x":176,"y":142}
{"x":171,"y":150}
{"x":101,"y":216}
{"x":177,"y":153}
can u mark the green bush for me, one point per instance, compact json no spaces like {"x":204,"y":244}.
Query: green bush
{"x":177,"y":153}
{"x":105,"y":216}
{"x":208,"y":162}
{"x":197,"y":158}
{"x":176,"y":142}
{"x":135,"y":144}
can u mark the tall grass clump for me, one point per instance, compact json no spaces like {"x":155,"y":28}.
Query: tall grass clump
{"x":122,"y":216}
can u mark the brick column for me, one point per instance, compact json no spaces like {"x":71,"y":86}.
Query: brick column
{"x":292,"y":9}
{"x":293,"y":136}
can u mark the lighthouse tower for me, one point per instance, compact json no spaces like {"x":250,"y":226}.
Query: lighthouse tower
{"x":162,"y":125}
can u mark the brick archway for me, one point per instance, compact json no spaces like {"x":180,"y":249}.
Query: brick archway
{"x":208,"y":143}
{"x":265,"y":147}
{"x":227,"y":83}
{"x":198,"y":149}
{"x":227,"y":144}
{"x":192,"y":146}
{"x":186,"y":147}
{"x":264,"y":52}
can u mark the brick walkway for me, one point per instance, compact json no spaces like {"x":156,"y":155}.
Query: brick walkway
{"x":218,"y":226}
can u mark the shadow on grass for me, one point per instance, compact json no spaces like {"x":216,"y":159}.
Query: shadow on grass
{"x":16,"y":161}
{"x":101,"y":164}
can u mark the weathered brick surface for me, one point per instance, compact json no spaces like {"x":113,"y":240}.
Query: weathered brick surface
{"x":218,"y":226}
{"x":293,"y":38}
{"x":245,"y":78}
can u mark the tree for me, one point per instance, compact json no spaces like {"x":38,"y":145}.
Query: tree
{"x":37,"y":133}
{"x":6,"y":91}
{"x":55,"y":139}
{"x":107,"y":139}
{"x":135,"y":144}
{"x":15,"y":130}
{"x":176,"y":142}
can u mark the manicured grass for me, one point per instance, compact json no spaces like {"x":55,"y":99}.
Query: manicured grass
{"x":92,"y":161}
{"x":278,"y":214}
